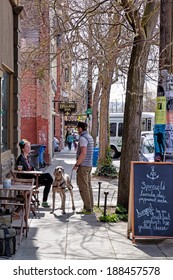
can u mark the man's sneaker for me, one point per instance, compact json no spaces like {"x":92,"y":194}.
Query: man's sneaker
{"x":45,"y":204}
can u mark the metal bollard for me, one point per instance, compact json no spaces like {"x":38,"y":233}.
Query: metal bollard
{"x":98,"y":204}
{"x":105,"y":205}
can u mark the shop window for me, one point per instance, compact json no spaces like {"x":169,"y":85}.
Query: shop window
{"x":5,"y":111}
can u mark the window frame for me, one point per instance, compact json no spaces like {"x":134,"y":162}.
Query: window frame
{"x":6,"y":108}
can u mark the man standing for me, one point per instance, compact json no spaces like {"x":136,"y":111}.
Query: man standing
{"x":84,"y":167}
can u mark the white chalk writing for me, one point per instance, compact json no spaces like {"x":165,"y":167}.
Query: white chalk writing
{"x":152,"y":215}
{"x":158,"y":220}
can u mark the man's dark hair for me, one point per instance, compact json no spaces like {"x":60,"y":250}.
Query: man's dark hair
{"x":83,"y":125}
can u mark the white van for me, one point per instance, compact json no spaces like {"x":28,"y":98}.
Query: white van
{"x":116,"y":129}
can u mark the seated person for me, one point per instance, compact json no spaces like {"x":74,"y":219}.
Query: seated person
{"x":24,"y":160}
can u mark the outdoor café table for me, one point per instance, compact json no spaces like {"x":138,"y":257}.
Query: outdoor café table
{"x":34,"y":172}
{"x":8,"y":196}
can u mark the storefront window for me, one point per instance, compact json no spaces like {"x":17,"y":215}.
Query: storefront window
{"x":5,"y":96}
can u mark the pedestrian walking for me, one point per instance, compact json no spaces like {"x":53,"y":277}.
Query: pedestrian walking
{"x":83,"y":167}
{"x":70,"y":140}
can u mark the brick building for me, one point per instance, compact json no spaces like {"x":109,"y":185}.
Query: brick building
{"x":46,"y":76}
{"x":36,"y":88}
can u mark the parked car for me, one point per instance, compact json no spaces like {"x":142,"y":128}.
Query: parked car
{"x":56,"y":144}
{"x":146,"y":152}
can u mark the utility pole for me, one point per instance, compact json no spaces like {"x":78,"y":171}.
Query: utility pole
{"x":163,"y":130}
{"x":172,"y":39}
{"x":166,"y":29}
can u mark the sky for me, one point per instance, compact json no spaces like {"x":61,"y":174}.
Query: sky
{"x":118,"y":90}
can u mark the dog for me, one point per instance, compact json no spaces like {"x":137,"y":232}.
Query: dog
{"x":60,"y":183}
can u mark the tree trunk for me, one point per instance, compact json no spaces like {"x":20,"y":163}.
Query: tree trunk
{"x":134,"y":101}
{"x":104,"y":111}
{"x":107,"y":75}
{"x":96,"y":96}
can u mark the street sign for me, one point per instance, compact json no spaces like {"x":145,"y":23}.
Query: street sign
{"x":89,"y":111}
{"x":67,"y":108}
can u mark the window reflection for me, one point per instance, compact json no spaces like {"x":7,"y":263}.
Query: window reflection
{"x":5,"y":95}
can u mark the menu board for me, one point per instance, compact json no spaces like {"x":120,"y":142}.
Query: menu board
{"x":152,"y":200}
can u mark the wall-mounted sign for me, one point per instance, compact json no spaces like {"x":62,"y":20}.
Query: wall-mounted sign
{"x":67,"y":108}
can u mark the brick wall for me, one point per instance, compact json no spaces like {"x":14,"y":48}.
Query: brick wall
{"x":35,"y":110}
{"x":36,"y":103}
{"x":28,"y":129}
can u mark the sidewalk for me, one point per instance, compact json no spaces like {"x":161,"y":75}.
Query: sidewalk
{"x":82,"y":237}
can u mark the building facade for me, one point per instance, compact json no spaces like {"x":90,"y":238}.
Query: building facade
{"x":36,"y":97}
{"x":10,"y":14}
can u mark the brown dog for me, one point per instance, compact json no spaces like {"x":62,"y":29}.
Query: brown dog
{"x":60,"y":183}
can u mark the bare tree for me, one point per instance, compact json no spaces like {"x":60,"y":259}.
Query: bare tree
{"x":143,"y":24}
{"x":112,"y":25}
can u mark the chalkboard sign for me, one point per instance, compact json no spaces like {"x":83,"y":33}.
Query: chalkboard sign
{"x":152,"y":200}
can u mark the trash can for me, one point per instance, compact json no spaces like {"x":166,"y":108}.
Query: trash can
{"x":41,"y":156}
{"x":35,"y":148}
{"x":95,"y":156}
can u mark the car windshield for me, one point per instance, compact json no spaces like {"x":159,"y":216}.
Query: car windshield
{"x":148,"y":146}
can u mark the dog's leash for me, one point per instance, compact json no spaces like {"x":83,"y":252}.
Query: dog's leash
{"x":71,"y":175}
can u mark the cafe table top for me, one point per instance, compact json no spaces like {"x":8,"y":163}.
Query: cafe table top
{"x":34,"y":172}
{"x":18,"y":187}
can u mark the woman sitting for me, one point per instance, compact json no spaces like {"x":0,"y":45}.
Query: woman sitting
{"x":27,"y":164}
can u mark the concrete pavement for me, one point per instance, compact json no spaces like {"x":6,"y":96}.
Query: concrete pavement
{"x":82,"y":237}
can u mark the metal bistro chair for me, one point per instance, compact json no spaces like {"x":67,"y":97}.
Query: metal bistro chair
{"x":35,"y":193}
{"x":31,"y":182}
{"x":31,"y":207}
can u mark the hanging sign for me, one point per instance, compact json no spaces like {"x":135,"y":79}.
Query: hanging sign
{"x":67,"y":108}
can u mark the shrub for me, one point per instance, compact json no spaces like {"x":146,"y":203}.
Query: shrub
{"x":120,"y":214}
{"x":106,"y":167}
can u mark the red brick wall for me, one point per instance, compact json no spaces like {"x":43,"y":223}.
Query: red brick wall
{"x":35,"y":111}
{"x":28,"y":127}
{"x":35,"y":130}
{"x":35,"y":77}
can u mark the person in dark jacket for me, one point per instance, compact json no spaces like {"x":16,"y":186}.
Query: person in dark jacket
{"x":70,"y":140}
{"x":24,"y":160}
